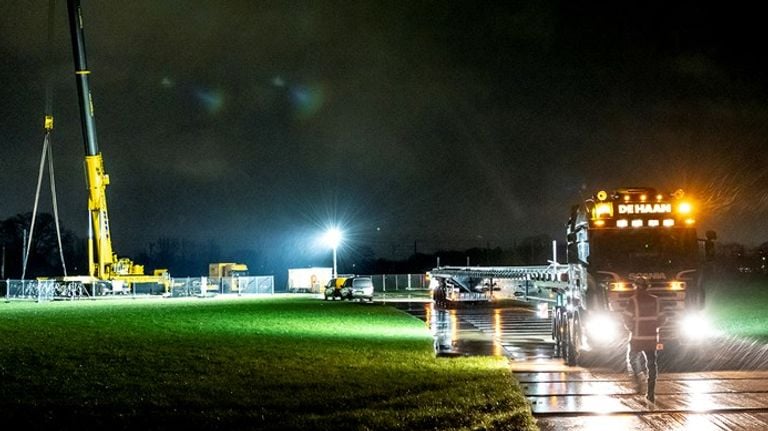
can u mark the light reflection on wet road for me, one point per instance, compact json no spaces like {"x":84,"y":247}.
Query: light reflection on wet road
{"x":697,"y":389}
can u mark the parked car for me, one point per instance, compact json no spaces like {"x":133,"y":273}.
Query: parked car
{"x":358,"y":288}
{"x":335,"y":289}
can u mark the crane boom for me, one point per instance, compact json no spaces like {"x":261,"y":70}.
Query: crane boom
{"x":104,"y":265}
{"x":96,"y":177}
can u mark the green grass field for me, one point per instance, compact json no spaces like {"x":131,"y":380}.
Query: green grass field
{"x":263,"y":363}
{"x":737,"y":306}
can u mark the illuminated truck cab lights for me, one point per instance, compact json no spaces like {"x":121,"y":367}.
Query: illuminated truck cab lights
{"x":632,"y":208}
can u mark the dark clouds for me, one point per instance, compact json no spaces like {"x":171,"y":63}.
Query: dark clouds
{"x":443,"y":122}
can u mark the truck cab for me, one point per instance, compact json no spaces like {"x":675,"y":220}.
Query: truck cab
{"x":614,"y":239}
{"x":224,"y":276}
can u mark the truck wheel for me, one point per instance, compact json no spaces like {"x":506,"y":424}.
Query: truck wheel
{"x":555,"y":323}
{"x":565,"y":340}
{"x":562,"y":337}
{"x":574,"y":342}
{"x":556,"y":333}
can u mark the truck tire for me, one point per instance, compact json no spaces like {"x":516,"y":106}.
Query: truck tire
{"x":562,"y":337}
{"x":565,"y":341}
{"x":554,"y":325}
{"x":557,"y":333}
{"x":574,"y":341}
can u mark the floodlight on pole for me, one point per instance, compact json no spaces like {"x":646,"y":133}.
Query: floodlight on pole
{"x":333,"y":239}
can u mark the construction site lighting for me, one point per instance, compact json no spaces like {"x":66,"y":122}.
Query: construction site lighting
{"x":333,"y":238}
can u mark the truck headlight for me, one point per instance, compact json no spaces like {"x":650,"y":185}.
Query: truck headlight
{"x":602,"y":328}
{"x":694,"y":326}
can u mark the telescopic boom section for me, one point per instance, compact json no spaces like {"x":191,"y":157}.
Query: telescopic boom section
{"x":96,"y":177}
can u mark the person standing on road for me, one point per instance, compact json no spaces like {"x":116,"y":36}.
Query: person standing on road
{"x":642,"y":320}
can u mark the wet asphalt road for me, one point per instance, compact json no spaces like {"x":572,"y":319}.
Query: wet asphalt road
{"x":721,"y":385}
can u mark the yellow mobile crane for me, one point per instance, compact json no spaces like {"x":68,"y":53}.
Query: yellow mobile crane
{"x":103,"y":263}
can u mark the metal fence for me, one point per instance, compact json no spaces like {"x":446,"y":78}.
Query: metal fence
{"x":189,"y":286}
{"x":398,"y":282}
{"x":197,"y":286}
{"x":29,"y":289}
{"x":48,"y":290}
{"x":248,"y":285}
{"x":42,"y":290}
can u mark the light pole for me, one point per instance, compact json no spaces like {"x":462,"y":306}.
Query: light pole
{"x":333,"y":238}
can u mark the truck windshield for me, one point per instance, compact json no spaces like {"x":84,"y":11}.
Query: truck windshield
{"x":647,"y":248}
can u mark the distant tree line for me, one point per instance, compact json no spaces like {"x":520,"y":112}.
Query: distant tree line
{"x":44,"y":258}
{"x":190,"y":258}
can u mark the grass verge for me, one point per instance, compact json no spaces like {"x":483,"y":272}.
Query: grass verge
{"x":737,"y":306}
{"x":266,"y":363}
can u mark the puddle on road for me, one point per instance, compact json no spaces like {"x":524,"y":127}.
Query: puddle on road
{"x":453,"y":336}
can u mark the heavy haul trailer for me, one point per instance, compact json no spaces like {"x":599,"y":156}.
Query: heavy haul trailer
{"x":613,"y":240}
{"x":454,"y":284}
{"x":106,"y":271}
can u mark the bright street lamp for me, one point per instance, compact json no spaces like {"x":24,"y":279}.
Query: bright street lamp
{"x":333,"y":239}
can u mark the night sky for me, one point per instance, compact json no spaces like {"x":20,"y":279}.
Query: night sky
{"x":413,"y":124}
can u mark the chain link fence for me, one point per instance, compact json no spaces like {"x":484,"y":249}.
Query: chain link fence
{"x":197,"y":286}
{"x":244,"y":285}
{"x":48,"y":290}
{"x":399,"y":282}
{"x":42,"y":290}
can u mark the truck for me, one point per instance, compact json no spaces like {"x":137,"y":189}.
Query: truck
{"x":224,"y":276}
{"x":612,"y":239}
{"x":615,"y":238}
